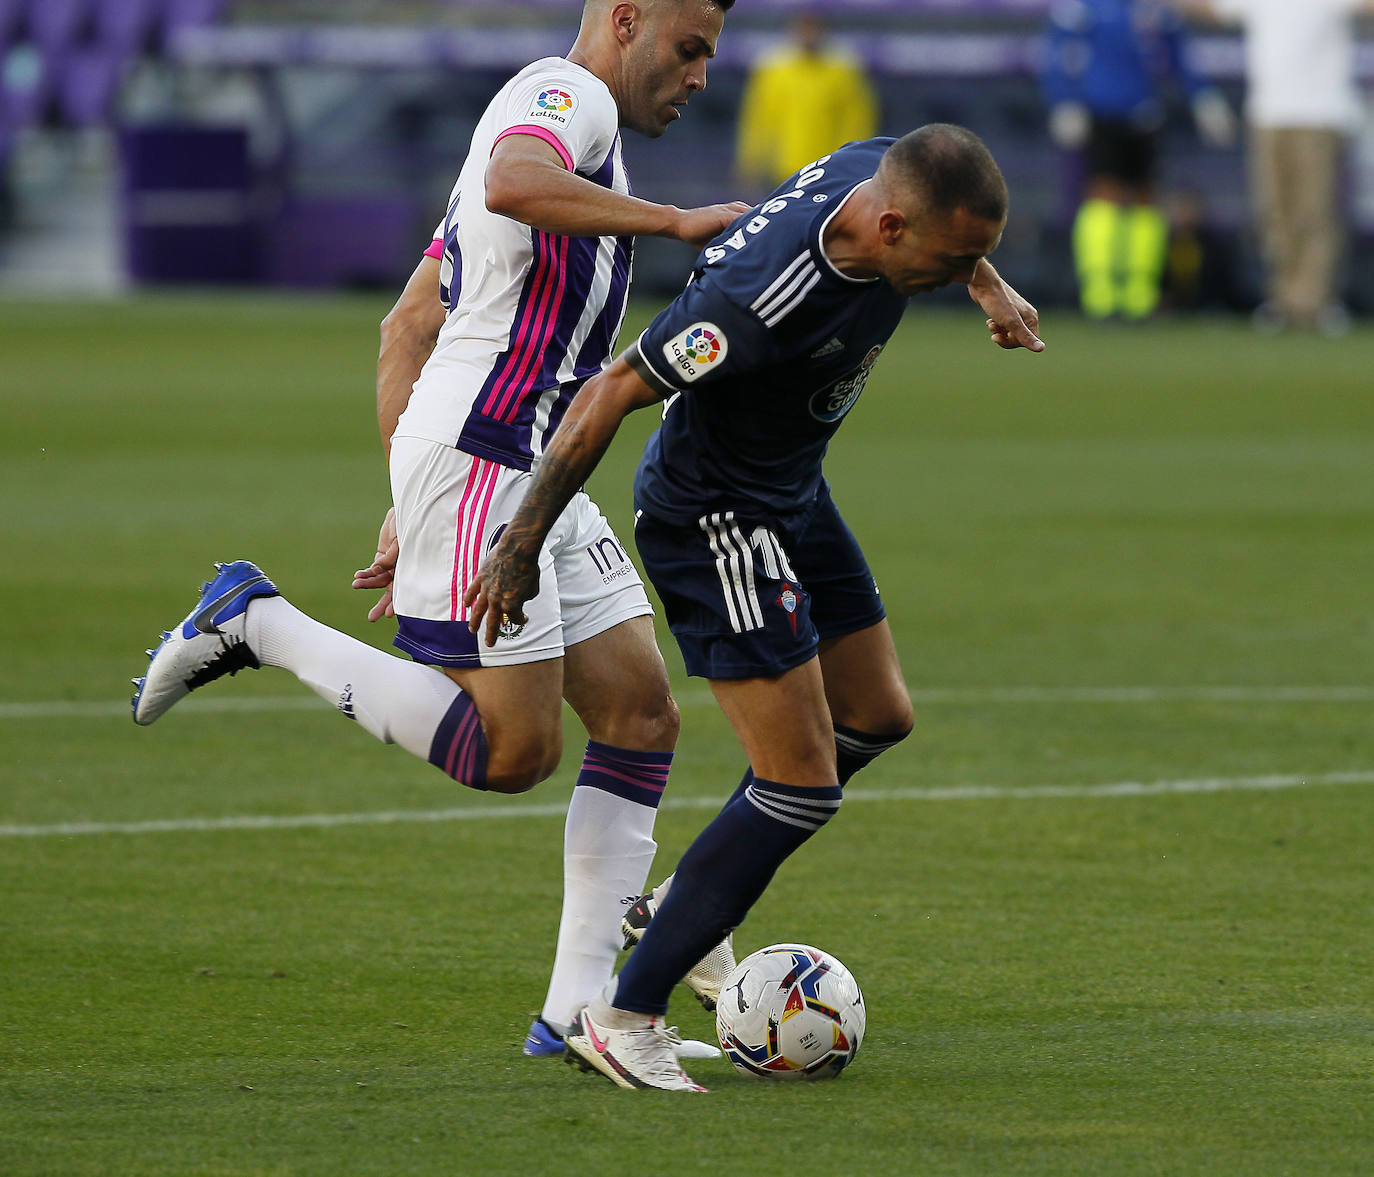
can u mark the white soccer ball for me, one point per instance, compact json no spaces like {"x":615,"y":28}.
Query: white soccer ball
{"x":790,"y":1011}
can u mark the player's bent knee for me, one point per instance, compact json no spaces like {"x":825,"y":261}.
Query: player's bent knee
{"x":650,"y":722}
{"x":893,"y":719}
{"x":515,"y":780}
{"x":519,"y":769}
{"x":666,"y":721}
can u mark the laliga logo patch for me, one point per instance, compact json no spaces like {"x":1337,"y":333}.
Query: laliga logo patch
{"x":830,"y":404}
{"x":696,"y":349}
{"x":553,"y":105}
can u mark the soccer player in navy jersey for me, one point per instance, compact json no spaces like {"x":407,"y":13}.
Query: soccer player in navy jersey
{"x":765,"y":588}
{"x":517,"y":303}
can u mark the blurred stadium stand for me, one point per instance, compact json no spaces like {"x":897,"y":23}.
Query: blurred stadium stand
{"x":313,"y":142}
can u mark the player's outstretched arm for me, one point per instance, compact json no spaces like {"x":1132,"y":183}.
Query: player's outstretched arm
{"x":1012,"y":321}
{"x":510,"y":574}
{"x":527,"y":180}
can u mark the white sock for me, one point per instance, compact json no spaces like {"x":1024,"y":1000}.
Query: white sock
{"x":608,"y":847}
{"x":399,"y":702}
{"x":603,"y":1009}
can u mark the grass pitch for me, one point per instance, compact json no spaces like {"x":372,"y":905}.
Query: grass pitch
{"x":1110,"y":904}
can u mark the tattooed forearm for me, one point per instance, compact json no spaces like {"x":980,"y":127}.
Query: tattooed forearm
{"x":509,"y":577}
{"x":565,"y":467}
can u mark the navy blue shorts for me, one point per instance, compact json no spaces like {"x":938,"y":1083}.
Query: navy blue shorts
{"x":753,"y":597}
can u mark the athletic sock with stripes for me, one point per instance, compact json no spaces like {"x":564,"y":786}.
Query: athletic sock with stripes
{"x":608,"y":847}
{"x":717,"y":881}
{"x":399,"y":702}
{"x":855,"y":749}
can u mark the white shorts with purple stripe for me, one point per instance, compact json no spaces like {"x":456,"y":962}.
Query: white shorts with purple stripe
{"x":450,"y":510}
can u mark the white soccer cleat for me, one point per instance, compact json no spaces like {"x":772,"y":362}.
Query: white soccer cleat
{"x":209,"y":643}
{"x":642,"y":1057}
{"x":543,"y":1040}
{"x":708,"y":974}
{"x":693,"y":1048}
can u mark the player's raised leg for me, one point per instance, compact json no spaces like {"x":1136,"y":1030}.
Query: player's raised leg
{"x":502,"y":733}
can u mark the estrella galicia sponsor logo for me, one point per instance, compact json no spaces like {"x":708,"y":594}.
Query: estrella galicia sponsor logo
{"x":696,"y":350}
{"x":552,"y":105}
{"x":832,"y":403}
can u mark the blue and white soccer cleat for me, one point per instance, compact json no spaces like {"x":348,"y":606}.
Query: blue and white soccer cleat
{"x":207,"y":645}
{"x":542,"y":1039}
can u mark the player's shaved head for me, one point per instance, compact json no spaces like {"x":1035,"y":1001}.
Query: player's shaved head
{"x":651,"y":54}
{"x":592,"y":6}
{"x":940,"y":168}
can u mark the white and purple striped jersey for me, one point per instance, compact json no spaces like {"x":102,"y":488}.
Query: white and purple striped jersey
{"x":763,"y":354}
{"x":531,"y":315}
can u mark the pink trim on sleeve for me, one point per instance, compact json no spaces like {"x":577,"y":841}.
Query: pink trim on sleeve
{"x":436,"y":249}
{"x":539,"y":133}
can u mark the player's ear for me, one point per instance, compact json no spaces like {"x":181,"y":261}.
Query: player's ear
{"x":625,"y":19}
{"x":892,"y":226}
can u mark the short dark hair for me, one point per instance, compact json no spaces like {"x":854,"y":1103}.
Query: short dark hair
{"x":946,"y":168}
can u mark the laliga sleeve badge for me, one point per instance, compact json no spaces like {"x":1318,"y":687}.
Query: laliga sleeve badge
{"x":553,"y":105}
{"x":696,"y":350}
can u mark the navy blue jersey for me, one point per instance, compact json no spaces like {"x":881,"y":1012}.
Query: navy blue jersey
{"x":763,"y":354}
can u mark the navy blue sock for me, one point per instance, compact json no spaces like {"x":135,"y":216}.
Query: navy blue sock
{"x":460,"y":744}
{"x":718,"y":880}
{"x":854,"y":749}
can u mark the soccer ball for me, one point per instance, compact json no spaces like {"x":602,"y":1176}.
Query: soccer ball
{"x":790,"y":1011}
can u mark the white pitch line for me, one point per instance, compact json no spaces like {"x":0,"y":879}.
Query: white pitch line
{"x":494,"y":812}
{"x":112,"y":709}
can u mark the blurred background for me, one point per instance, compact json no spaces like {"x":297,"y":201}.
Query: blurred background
{"x":312,"y":143}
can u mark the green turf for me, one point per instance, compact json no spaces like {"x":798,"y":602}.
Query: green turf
{"x":1061,"y":979}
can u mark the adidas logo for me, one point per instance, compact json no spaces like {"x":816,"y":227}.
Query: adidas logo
{"x":827,"y":349}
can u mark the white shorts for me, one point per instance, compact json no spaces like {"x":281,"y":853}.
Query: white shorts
{"x":451,"y":508}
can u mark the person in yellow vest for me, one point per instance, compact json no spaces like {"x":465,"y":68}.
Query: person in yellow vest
{"x":1106,"y":66}
{"x":801,"y":100}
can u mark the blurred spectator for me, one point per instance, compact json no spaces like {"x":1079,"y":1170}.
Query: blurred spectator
{"x":1106,"y":66}
{"x":801,"y":100}
{"x":1301,"y":105}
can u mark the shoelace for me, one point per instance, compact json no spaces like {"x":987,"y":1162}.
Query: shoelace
{"x":232,"y":656}
{"x":653,"y":1050}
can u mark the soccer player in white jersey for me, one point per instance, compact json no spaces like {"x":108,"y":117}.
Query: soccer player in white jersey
{"x":515,"y":306}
